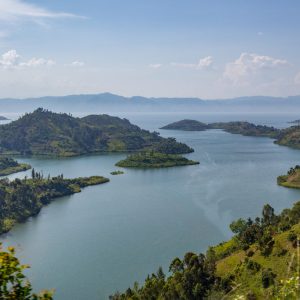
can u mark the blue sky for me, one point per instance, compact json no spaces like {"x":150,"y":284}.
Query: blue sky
{"x":175,"y":48}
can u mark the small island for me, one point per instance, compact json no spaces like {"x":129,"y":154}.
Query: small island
{"x":21,"y":199}
{"x":118,"y":172}
{"x":291,"y":179}
{"x":154,"y":160}
{"x":9,"y":166}
{"x":3,"y":118}
{"x":187,"y":125}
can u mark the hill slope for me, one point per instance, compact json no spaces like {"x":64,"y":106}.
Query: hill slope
{"x":46,"y":133}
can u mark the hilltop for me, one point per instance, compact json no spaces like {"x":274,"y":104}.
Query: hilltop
{"x":46,"y":133}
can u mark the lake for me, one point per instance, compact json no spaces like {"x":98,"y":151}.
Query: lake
{"x":91,"y":244}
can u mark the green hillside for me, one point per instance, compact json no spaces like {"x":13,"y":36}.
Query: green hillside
{"x":259,"y":262}
{"x":46,"y":133}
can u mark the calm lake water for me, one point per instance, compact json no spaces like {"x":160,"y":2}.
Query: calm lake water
{"x":91,"y":244}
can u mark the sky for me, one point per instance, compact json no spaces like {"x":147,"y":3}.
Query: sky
{"x":154,"y":48}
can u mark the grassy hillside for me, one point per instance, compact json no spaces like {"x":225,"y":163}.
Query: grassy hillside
{"x":291,"y":179}
{"x":154,"y":160}
{"x":289,"y":137}
{"x":261,"y":261}
{"x":10,"y":166}
{"x":46,"y":133}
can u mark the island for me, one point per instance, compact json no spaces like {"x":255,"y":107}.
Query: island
{"x":43,"y":132}
{"x":186,"y":125}
{"x":150,"y":159}
{"x":9,"y":166}
{"x":118,"y":172}
{"x":291,"y":179}
{"x":253,"y":264}
{"x":237,"y":127}
{"x":3,"y":118}
{"x":24,"y":198}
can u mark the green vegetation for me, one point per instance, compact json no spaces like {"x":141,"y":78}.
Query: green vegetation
{"x":187,"y":125}
{"x":154,"y":160}
{"x":292,"y":179}
{"x":244,"y":128}
{"x":46,"y":133}
{"x":118,"y":172}
{"x":289,"y":137}
{"x":260,"y":261}
{"x":21,"y":199}
{"x":13,"y":283}
{"x":10,"y":166}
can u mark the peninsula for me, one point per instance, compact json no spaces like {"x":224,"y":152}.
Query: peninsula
{"x":21,"y":199}
{"x":291,"y":179}
{"x":9,"y":166}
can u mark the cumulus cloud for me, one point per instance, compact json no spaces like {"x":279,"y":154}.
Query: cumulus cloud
{"x":77,"y":63}
{"x":11,"y":59}
{"x":250,"y":63}
{"x":155,"y":66}
{"x":204,"y":63}
{"x":16,"y":9}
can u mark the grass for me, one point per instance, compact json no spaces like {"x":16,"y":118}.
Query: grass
{"x":15,"y":169}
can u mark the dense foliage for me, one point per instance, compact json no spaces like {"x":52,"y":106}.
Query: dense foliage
{"x":9,"y":166}
{"x":21,"y":199}
{"x":46,"y":133}
{"x":291,"y":179}
{"x":257,"y":262}
{"x":13,"y":283}
{"x":151,"y":159}
{"x":290,"y":137}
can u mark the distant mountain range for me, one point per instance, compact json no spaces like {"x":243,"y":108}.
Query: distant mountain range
{"x":108,"y":103}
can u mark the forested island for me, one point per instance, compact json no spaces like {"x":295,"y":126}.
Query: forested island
{"x":150,"y":159}
{"x":46,"y":133}
{"x":257,"y":263}
{"x":287,"y":137}
{"x":24,"y":198}
{"x":9,"y":166}
{"x":291,"y":179}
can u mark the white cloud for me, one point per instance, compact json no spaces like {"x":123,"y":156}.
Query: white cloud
{"x":11,"y":59}
{"x":297,"y":79}
{"x":204,"y":63}
{"x":250,"y":63}
{"x":35,"y":62}
{"x":77,"y":63}
{"x":155,"y":66}
{"x":15,"y":9}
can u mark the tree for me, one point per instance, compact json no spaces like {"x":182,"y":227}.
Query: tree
{"x":13,"y":283}
{"x":268,"y":215}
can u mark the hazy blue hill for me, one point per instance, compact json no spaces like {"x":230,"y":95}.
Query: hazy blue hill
{"x":107,"y":102}
{"x":46,"y":133}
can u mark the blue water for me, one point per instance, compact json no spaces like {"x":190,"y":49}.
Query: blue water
{"x":89,"y":245}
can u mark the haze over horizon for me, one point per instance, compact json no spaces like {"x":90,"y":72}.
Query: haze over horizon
{"x":167,"y":48}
